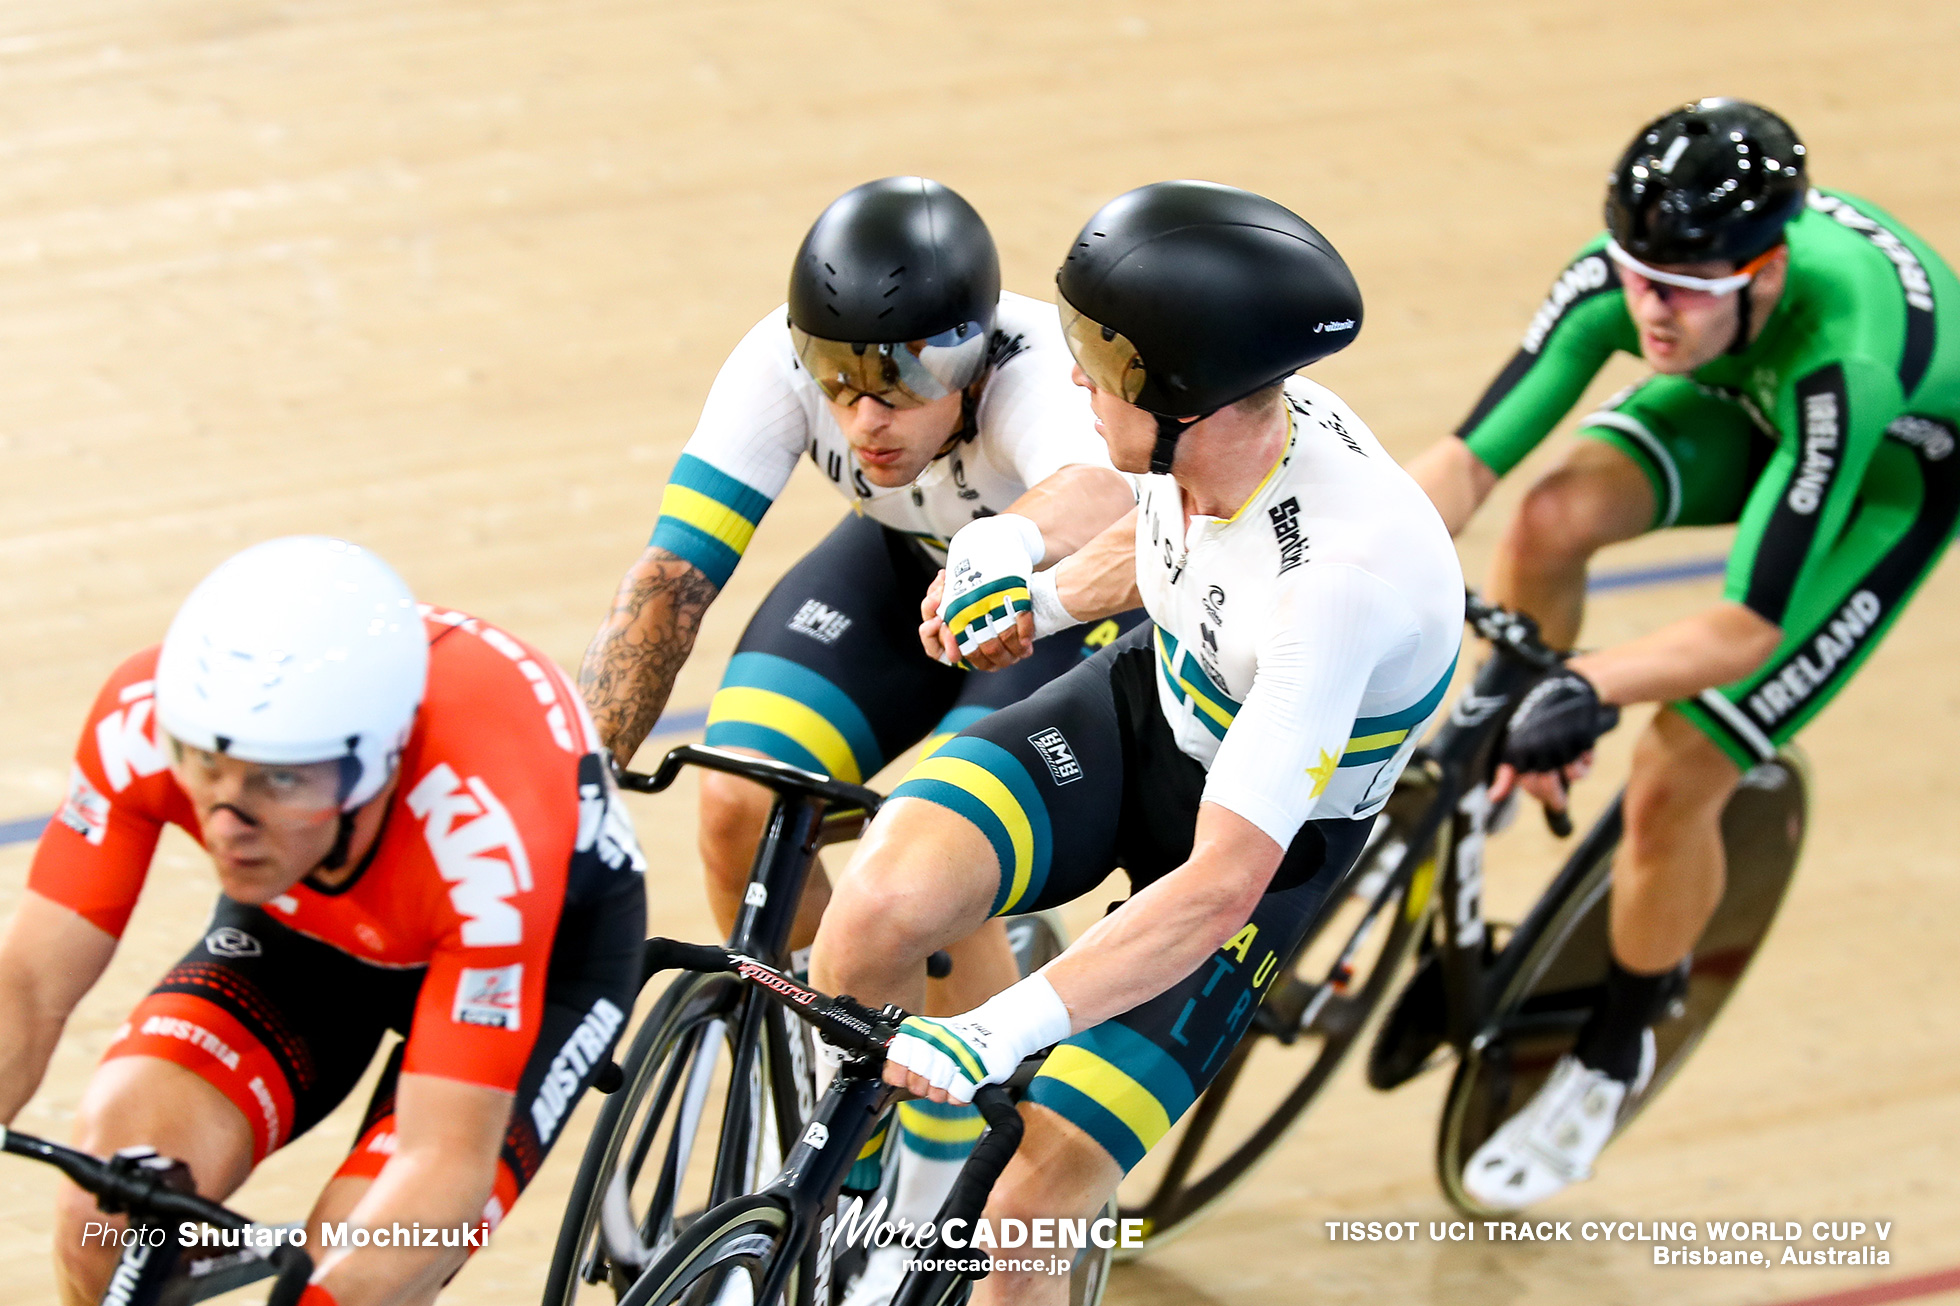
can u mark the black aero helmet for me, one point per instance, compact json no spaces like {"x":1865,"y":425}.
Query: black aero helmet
{"x":1713,"y":180}
{"x":1185,"y":296}
{"x":893,"y":293}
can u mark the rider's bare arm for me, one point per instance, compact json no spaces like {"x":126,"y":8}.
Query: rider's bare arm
{"x":447,"y":1135}
{"x":1073,"y":506}
{"x":1100,"y":579}
{"x":1715,"y":646}
{"x":1456,"y":480}
{"x":629,"y":670}
{"x":1167,"y":931}
{"x":49,"y":959}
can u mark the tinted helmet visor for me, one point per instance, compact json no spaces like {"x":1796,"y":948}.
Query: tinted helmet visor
{"x":901,"y":374}
{"x":1104,"y":354}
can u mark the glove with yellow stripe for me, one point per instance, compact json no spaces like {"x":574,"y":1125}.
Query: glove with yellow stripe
{"x":988,"y":563}
{"x":957,"y":1054}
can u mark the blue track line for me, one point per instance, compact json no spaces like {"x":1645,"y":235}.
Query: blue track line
{"x":29,"y":828}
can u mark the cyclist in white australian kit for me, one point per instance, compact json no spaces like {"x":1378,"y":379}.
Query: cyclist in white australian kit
{"x":929,"y":398}
{"x":931,"y":401}
{"x":1305,"y":607}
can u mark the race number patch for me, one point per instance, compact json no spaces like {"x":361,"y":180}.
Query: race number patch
{"x":490,"y":996}
{"x":84,"y":810}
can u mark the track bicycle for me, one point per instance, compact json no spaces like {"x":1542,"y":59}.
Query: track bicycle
{"x":775,"y":1244}
{"x":1508,"y":1003}
{"x":157,"y":1195}
{"x":716,"y":1085}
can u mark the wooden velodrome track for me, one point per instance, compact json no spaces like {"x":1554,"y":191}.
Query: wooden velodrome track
{"x":451,"y":277}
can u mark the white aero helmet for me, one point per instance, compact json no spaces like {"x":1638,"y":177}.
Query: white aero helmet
{"x":302,"y":649}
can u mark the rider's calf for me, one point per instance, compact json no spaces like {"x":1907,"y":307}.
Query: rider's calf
{"x":1668,"y":875}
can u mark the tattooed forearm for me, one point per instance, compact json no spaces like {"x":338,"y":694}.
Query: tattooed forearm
{"x":629,"y":670}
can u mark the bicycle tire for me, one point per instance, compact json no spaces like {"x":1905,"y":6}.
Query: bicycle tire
{"x":1311,"y":1011}
{"x":657,"y":1068}
{"x":1088,"y":1279}
{"x":1557,"y":968}
{"x":743,"y":1235}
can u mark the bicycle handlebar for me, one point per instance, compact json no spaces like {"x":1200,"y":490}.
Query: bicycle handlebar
{"x":127,"y":1187}
{"x":843,"y":1021}
{"x":1514,"y":632}
{"x":779,"y":776}
{"x":138,"y":1183}
{"x":988,"y":1159}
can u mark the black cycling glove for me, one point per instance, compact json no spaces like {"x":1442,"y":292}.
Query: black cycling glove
{"x":1557,"y":723}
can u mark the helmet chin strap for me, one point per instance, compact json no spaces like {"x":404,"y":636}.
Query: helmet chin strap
{"x":1744,"y":299}
{"x":1164,"y":452}
{"x":337,"y":855}
{"x":969,"y":427}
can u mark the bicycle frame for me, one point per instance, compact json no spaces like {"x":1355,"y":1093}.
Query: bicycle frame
{"x":1460,"y":759}
{"x":809,"y":812}
{"x":816,"y":1167}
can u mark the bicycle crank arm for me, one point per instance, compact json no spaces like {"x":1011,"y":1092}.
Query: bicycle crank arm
{"x":1533,"y":1024}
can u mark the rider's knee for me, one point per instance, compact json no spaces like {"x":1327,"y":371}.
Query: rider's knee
{"x":1554,"y":525}
{"x":1060,"y":1173}
{"x":733,"y":811}
{"x":885,"y":909}
{"x":80,"y":1240}
{"x":1677,"y":774}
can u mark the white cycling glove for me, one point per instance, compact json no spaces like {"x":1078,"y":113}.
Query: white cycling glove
{"x":988,"y":563}
{"x":960,"y":1053}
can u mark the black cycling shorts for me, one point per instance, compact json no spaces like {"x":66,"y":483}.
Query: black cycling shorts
{"x":295,"y":1024}
{"x":1081,"y":778}
{"x":830,"y":676}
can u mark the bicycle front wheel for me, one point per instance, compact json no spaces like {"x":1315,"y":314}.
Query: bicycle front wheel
{"x":722,"y":1259}
{"x":651,"y":1160}
{"x":1558,"y":973}
{"x":1311,"y":1018}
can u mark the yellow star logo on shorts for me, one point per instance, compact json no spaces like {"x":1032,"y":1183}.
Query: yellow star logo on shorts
{"x":1323,"y":771}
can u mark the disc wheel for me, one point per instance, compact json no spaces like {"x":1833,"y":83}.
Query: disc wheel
{"x":1561,"y":973}
{"x":721,"y":1259}
{"x":1310,"y":1019}
{"x":650,"y":1162}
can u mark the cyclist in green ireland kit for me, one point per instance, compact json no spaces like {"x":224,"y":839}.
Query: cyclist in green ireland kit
{"x":1806,"y":386}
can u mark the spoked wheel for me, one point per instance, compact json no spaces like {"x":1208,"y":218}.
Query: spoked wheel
{"x":1310,"y":1019}
{"x":721,"y":1259}
{"x":650,"y":1162}
{"x":1559,"y":976}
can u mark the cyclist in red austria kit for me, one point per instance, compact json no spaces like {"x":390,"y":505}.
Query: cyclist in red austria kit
{"x":1806,"y":386}
{"x":413,"y":829}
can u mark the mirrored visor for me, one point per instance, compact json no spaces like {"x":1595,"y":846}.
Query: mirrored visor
{"x":1104,"y":354}
{"x":904,"y":374}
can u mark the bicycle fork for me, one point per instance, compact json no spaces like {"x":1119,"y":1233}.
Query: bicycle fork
{"x":1463,"y":748}
{"x":819,"y":1163}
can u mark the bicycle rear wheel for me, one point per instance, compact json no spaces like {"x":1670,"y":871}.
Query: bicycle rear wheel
{"x":652,"y":1155}
{"x":1554,"y":969}
{"x":1310,"y":1019}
